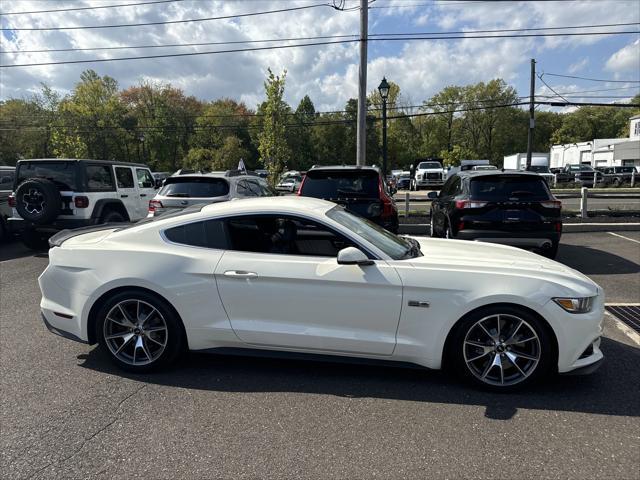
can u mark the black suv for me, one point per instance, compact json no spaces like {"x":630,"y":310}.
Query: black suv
{"x":361,"y":190}
{"x":510,"y":208}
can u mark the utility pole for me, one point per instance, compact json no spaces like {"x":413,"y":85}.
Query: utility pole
{"x":361,"y":135}
{"x":532,"y":121}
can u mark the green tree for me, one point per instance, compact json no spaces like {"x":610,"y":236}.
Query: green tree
{"x":300,"y":136}
{"x":273,"y":147}
{"x":451,"y":158}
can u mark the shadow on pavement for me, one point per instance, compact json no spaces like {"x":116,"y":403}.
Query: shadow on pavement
{"x":13,"y":249}
{"x":592,"y":261}
{"x":612,"y":390}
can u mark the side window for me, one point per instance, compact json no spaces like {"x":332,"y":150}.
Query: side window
{"x":6,"y":180}
{"x":254,"y":188}
{"x":124,"y":177}
{"x":206,"y":234}
{"x":285,"y":235}
{"x":241,"y":188}
{"x":145,"y":179}
{"x":99,"y":178}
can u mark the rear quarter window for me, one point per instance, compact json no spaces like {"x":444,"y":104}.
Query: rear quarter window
{"x":205,"y":234}
{"x":502,"y":188}
{"x":195,"y":187}
{"x":99,"y":178}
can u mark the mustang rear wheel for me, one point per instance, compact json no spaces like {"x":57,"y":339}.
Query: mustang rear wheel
{"x":139,"y":331}
{"x":502,"y":348}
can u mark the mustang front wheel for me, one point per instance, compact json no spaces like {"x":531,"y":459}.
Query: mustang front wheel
{"x":502,"y":348}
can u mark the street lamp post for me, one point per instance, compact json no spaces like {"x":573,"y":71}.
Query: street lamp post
{"x":383,"y":88}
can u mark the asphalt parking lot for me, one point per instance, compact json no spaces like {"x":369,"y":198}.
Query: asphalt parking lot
{"x":65,"y":412}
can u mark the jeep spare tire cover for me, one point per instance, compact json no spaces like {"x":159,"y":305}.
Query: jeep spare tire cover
{"x":38,"y":200}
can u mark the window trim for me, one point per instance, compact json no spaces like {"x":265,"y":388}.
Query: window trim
{"x":367,"y":251}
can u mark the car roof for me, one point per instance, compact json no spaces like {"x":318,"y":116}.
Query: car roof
{"x":221,"y":175}
{"x":344,"y":167}
{"x":83,"y":160}
{"x":494,"y":173}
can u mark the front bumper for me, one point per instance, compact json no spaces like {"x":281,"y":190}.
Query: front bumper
{"x":540,"y":239}
{"x":429,"y":182}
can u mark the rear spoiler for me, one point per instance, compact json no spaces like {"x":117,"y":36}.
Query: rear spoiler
{"x":64,"y":235}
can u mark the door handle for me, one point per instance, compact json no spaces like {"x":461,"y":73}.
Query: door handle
{"x":124,"y":196}
{"x":143,"y":194}
{"x":240,"y":273}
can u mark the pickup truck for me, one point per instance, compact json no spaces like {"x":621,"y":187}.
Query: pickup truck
{"x":615,"y":176}
{"x":576,"y":173}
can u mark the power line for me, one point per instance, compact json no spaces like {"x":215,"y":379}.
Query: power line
{"x":170,"y":22}
{"x":325,"y":37}
{"x":277,"y":47}
{"x":592,"y":79}
{"x":75,"y":9}
{"x":550,"y":88}
{"x":601,"y":90}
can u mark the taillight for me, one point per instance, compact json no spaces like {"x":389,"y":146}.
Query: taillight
{"x":81,"y":202}
{"x":470,"y":204}
{"x":154,"y":205}
{"x":558,"y":226}
{"x":551,"y":204}
{"x":12,"y":200}
{"x":301,"y":185}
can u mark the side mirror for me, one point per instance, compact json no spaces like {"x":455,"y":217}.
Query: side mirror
{"x":353,"y":256}
{"x":432,"y":195}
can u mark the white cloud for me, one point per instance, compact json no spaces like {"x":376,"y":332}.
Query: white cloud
{"x":627,"y":59}
{"x":579,"y":65}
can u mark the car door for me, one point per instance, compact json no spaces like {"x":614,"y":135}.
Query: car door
{"x":127,"y":191}
{"x":146,"y":190}
{"x":308,"y":302}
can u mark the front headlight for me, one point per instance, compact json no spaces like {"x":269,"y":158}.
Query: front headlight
{"x":576,"y":305}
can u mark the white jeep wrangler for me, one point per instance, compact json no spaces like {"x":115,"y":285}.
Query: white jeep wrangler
{"x":54,"y":194}
{"x":429,"y":174}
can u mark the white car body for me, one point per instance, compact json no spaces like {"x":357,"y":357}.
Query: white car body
{"x":342,"y":310}
{"x":429,"y":174}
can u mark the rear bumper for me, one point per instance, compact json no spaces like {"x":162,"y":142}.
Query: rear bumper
{"x":515,"y":239}
{"x":17,"y":225}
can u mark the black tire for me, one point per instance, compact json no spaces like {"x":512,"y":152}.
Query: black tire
{"x":617,"y":182}
{"x":552,"y":251}
{"x":38,"y":200}
{"x":111,"y":216}
{"x":35,"y":240}
{"x":535,"y":371}
{"x":174,"y":340}
{"x":4,"y":234}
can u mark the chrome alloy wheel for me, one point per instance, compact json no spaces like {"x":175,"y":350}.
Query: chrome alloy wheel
{"x":501,"y":350}
{"x":33,"y":201}
{"x":135,"y":332}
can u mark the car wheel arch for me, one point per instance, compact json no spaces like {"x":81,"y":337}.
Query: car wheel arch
{"x":102,"y":206}
{"x":446,"y":350}
{"x":92,"y":317}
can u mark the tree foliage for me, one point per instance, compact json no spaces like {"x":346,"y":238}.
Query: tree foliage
{"x":159,"y":125}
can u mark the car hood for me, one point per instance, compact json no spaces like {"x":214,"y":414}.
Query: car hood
{"x":461,"y":254}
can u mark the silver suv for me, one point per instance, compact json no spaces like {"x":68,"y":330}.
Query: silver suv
{"x":183,"y":190}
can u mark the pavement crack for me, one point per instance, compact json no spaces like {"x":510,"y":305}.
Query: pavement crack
{"x":90,"y":437}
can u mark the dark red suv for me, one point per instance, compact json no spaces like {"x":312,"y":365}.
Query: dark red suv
{"x":361,"y":190}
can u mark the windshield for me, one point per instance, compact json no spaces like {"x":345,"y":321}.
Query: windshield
{"x":499,"y":188}
{"x":341,"y":184}
{"x":539,"y":169}
{"x":392,"y":245}
{"x":186,"y":187}
{"x":425,"y":165}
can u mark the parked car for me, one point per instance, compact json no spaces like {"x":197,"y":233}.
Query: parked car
{"x":429,"y":174}
{"x":510,"y":208}
{"x":290,"y":183}
{"x":262,"y":173}
{"x":7,"y":177}
{"x":616,"y":176}
{"x":544,"y":172}
{"x":182,"y":191}
{"x":404,"y":181}
{"x":475,"y":168}
{"x":214,"y":278}
{"x":361,"y":190}
{"x":55,"y":194}
{"x":159,"y":177}
{"x":576,"y":173}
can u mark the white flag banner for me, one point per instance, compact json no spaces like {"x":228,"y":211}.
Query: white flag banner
{"x":241,"y":165}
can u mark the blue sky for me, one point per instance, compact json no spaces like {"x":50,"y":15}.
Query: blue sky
{"x":327,"y":73}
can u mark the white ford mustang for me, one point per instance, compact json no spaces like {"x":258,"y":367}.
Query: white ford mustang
{"x":294,"y":274}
